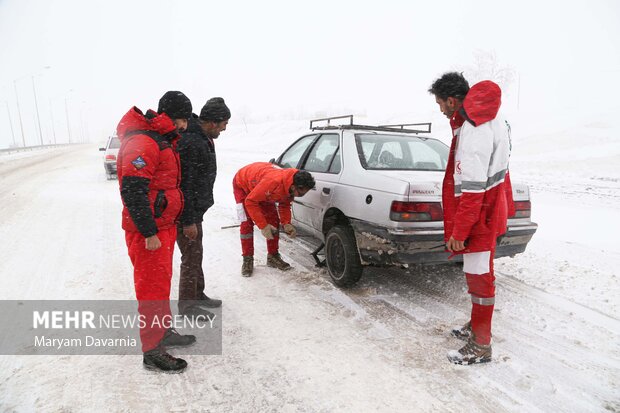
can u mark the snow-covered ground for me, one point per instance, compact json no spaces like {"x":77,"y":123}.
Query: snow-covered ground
{"x":292,"y":342}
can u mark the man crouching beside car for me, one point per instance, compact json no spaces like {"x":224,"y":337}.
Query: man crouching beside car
{"x":257,"y":188}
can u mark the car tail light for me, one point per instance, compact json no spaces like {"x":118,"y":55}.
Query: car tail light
{"x":416,"y":211}
{"x":110,"y":157}
{"x":523,"y":209}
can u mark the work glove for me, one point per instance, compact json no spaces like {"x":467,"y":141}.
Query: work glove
{"x":268,"y":231}
{"x":290,"y":230}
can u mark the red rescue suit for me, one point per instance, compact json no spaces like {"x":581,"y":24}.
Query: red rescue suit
{"x":477,"y":195}
{"x":257,"y":188}
{"x":149,"y":175}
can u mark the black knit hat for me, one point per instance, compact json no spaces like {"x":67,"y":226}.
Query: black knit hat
{"x":303,"y":179}
{"x":215,"y":110}
{"x":176,"y":105}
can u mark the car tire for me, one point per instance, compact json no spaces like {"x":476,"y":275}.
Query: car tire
{"x":343,"y":260}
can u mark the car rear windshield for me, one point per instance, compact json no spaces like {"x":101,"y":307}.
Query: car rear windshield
{"x":115,"y":143}
{"x":401,"y":152}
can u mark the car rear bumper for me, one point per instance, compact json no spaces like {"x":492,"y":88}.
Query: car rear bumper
{"x":386,"y":246}
{"x":110,"y":167}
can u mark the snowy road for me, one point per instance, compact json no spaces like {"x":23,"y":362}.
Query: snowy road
{"x":292,"y":341}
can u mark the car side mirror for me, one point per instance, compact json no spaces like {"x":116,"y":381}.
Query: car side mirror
{"x":102,"y":149}
{"x":272,"y":160}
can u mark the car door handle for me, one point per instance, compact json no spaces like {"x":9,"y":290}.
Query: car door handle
{"x":326,"y":190}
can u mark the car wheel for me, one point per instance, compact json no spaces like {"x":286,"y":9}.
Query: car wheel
{"x":343,"y":260}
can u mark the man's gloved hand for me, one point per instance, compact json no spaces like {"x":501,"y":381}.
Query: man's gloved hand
{"x":268,"y":231}
{"x":290,"y":230}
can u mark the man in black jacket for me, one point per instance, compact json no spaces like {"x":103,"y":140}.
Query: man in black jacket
{"x":198,"y":171}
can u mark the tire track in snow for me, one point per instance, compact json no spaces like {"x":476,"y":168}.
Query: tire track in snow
{"x":421,"y":303}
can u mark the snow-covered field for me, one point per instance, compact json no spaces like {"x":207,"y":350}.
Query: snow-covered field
{"x":295,"y":343}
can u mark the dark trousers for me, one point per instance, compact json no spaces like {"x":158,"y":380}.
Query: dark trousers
{"x":192,"y":279}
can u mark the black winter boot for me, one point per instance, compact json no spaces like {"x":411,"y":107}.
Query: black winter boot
{"x":209,"y":302}
{"x":276,"y":261}
{"x":471,"y":353}
{"x":159,"y":359}
{"x":248,"y":266}
{"x":196,"y":311}
{"x":462,"y":333}
{"x":173,"y":339}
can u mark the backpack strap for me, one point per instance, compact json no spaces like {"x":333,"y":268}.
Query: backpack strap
{"x":161,"y":141}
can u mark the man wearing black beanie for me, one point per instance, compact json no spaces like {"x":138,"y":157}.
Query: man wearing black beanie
{"x":216,"y":112}
{"x":198,"y":171}
{"x":177,"y":106}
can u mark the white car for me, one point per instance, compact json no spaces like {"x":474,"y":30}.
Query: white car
{"x":109,"y":157}
{"x":377,"y":198}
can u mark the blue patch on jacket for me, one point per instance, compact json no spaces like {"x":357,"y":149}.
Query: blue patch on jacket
{"x":139,"y":163}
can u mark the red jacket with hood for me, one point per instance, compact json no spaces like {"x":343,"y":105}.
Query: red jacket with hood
{"x":266,"y":182}
{"x":477,"y":195}
{"x":148,"y":172}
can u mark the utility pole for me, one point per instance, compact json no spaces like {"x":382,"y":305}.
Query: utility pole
{"x":53,"y":127}
{"x":67,"y":115}
{"x":36,"y":106}
{"x":19,"y":113}
{"x":10,"y":122}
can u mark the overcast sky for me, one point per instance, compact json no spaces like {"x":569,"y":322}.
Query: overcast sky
{"x":284,"y":58}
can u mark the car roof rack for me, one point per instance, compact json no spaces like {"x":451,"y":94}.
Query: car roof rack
{"x":404,"y":127}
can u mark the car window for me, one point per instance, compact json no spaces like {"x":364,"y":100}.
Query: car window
{"x":115,"y":143}
{"x":336,"y":163}
{"x":291,"y":157}
{"x":401,"y":152}
{"x":390,"y":154}
{"x":322,"y":153}
{"x":426,"y":157}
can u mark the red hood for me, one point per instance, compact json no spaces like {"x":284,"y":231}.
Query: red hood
{"x":134,"y":119}
{"x":482,"y":102}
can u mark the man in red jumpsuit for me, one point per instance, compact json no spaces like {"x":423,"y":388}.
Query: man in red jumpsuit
{"x":257,"y":188}
{"x":477,"y":198}
{"x":149,"y":176}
